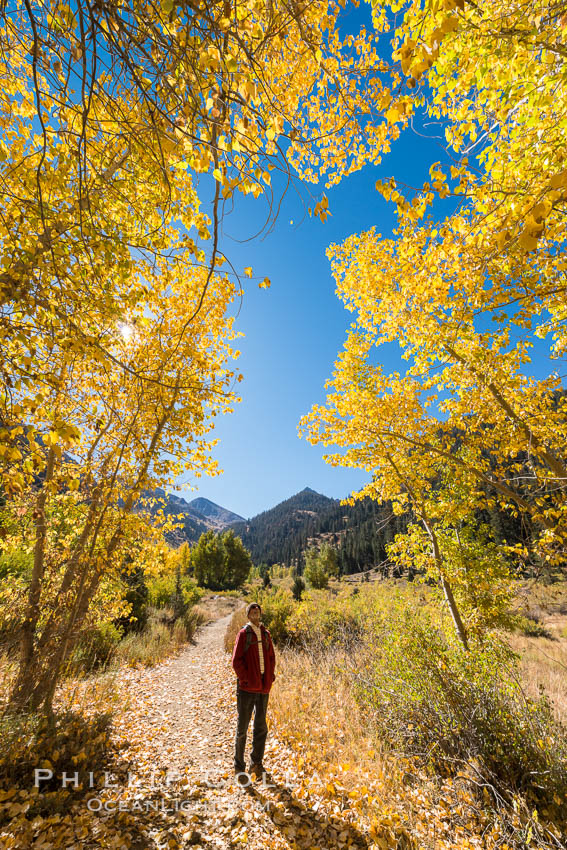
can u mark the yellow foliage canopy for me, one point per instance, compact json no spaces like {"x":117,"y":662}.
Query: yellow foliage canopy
{"x":466,"y":298}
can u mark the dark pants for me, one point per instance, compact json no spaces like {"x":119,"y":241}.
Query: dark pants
{"x":246,"y":703}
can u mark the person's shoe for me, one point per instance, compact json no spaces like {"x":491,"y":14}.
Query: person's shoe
{"x":256,"y":770}
{"x":242,"y":777}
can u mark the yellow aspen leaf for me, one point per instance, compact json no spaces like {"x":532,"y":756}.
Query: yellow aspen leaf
{"x":231,"y":63}
{"x":528,"y":240}
{"x":559,"y":181}
{"x":393,"y":115}
{"x":449,"y":24}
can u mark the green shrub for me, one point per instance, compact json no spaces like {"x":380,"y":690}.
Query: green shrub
{"x":192,"y":593}
{"x":298,"y":588}
{"x":95,"y":649}
{"x":15,"y":570}
{"x":147,"y":647}
{"x":529,"y":627}
{"x":277,"y":604}
{"x":321,"y":619}
{"x":164,"y":634}
{"x":315,"y":574}
{"x":161,"y":591}
{"x":220,"y":560}
{"x":429,"y":698}
{"x":15,"y":562}
{"x":136,"y":596}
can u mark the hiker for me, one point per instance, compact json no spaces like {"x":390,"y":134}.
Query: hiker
{"x":253,"y":661}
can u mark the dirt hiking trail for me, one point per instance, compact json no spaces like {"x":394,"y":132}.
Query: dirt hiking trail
{"x":174,"y":784}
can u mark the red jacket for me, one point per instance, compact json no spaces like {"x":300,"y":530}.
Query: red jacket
{"x":247,"y":665}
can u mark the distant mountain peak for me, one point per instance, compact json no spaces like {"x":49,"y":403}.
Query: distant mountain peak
{"x":198,"y":516}
{"x":214,"y":513}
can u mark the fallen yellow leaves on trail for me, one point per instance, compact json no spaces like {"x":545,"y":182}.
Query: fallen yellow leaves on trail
{"x":167,"y":779}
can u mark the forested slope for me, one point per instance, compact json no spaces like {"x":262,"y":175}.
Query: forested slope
{"x":360,"y":532}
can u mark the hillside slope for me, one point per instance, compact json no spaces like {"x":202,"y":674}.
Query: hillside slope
{"x":282,"y":534}
{"x":279,"y":534}
{"x":214,"y":513}
{"x":194,"y":522}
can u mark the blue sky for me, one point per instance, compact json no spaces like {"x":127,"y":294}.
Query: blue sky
{"x":293,"y":332}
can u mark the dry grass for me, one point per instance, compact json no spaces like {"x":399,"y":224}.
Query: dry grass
{"x":160,"y":639}
{"x":7,"y":674}
{"x":544,"y":659}
{"x":216,"y":606}
{"x":544,"y":665}
{"x":346,"y":768}
{"x":286,"y":582}
{"x":237,"y":621}
{"x":341,"y":762}
{"x":337,"y":760}
{"x":202,"y":614}
{"x":540,"y":601}
{"x":149,"y":647}
{"x":314,"y":710}
{"x":314,"y":707}
{"x":85,"y":695}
